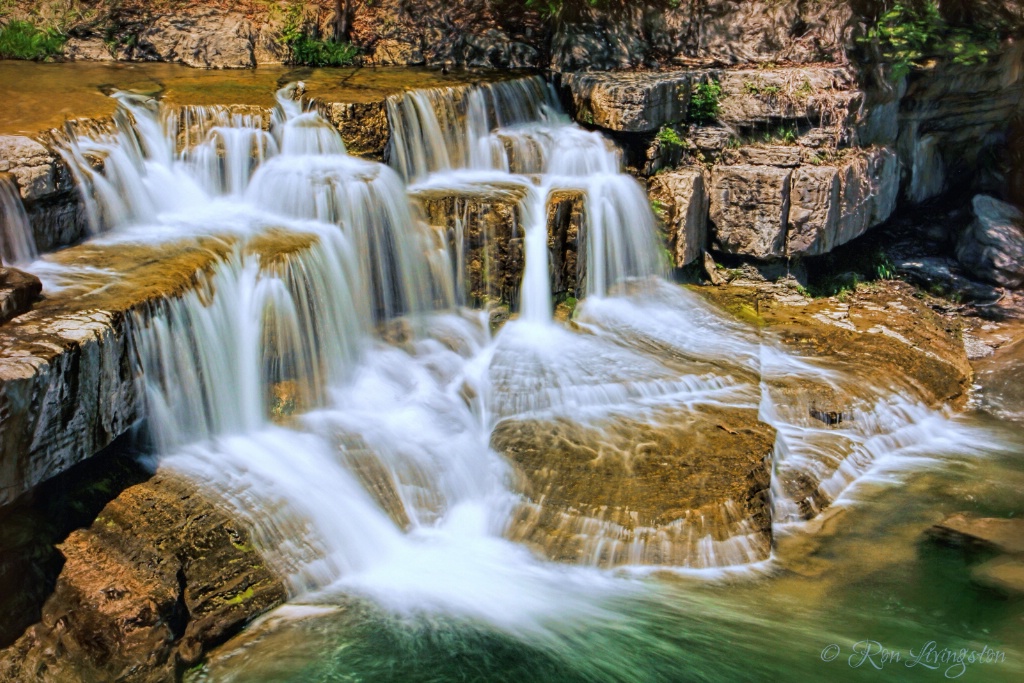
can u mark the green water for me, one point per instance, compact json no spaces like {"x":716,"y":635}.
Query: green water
{"x":864,"y":572}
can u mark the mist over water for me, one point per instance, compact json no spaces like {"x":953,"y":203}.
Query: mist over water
{"x":321,"y":381}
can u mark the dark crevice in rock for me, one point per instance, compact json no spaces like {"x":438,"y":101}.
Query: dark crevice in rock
{"x":33,"y":525}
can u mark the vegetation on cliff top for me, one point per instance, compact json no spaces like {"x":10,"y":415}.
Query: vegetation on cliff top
{"x":910,"y":33}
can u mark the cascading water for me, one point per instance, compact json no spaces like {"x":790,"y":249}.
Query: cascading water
{"x":365,"y":467}
{"x":17,"y":243}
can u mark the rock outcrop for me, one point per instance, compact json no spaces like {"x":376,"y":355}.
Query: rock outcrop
{"x":18,"y":291}
{"x":159,"y":578}
{"x":480,"y":223}
{"x":46,"y":187}
{"x":680,"y":199}
{"x":750,"y":209}
{"x":992,"y":247}
{"x":68,"y":369}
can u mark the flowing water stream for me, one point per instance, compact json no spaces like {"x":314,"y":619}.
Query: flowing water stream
{"x":368,"y":469}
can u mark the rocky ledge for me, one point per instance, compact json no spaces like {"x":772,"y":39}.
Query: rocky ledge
{"x":159,"y":578}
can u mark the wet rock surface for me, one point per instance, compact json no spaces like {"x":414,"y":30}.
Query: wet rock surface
{"x":481,"y":226}
{"x":68,"y":380}
{"x":160,"y":577}
{"x":689,"y":489}
{"x":18,"y":291}
{"x":1003,"y":535}
{"x":882,"y":331}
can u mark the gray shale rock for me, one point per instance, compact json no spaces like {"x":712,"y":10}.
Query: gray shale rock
{"x":992,"y":247}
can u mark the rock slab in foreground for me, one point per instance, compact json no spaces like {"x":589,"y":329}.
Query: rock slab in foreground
{"x":689,"y":489}
{"x":160,"y":577}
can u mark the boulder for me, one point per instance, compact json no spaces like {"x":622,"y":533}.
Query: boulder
{"x":18,"y":291}
{"x":750,"y":209}
{"x":205,"y":38}
{"x":831,"y":205}
{"x":160,"y":577}
{"x":628,"y":102}
{"x":992,"y":533}
{"x":32,"y":165}
{"x":681,"y":200}
{"x":992,"y":247}
{"x":814,"y":210}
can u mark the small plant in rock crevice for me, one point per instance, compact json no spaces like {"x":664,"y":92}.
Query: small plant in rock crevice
{"x":705,"y":102}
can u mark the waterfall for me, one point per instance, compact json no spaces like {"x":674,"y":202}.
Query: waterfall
{"x":320,"y":380}
{"x":514,"y":133}
{"x":17,"y":243}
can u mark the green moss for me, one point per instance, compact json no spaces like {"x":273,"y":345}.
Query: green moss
{"x":241,"y":597}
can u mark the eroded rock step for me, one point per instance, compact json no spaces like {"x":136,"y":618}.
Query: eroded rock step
{"x":688,"y":488}
{"x":161,"y":576}
{"x":69,"y":375}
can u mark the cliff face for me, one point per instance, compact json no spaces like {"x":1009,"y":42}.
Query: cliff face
{"x":477,"y":33}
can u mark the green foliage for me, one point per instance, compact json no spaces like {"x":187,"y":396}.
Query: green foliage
{"x":670,"y":138}
{"x":704,"y":104}
{"x":309,"y":50}
{"x":907,"y":35}
{"x":840,"y":272}
{"x":313,"y":52}
{"x":24,"y":40}
{"x":759,"y":88}
{"x":659,"y":209}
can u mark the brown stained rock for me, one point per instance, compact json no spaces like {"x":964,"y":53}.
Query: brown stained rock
{"x":660,"y":492}
{"x":682,"y":201}
{"x":363,"y":125}
{"x":566,"y":222}
{"x":1003,"y":535}
{"x":18,"y":291}
{"x":877,"y":332}
{"x":159,"y":578}
{"x":481,"y":224}
{"x":750,"y":209}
